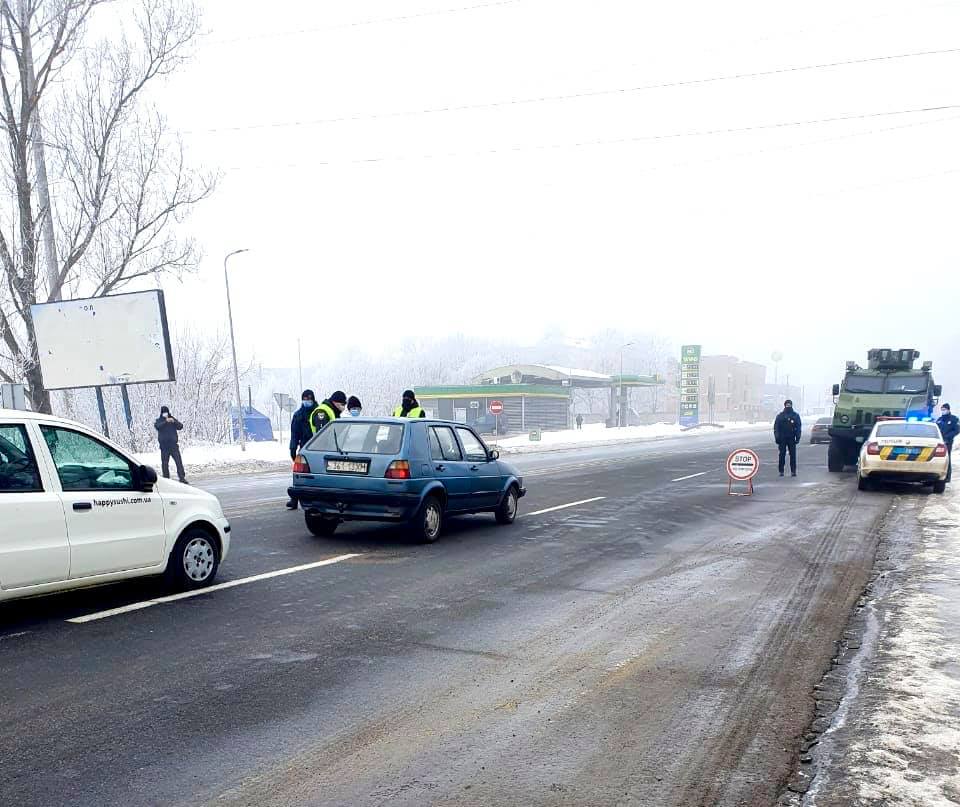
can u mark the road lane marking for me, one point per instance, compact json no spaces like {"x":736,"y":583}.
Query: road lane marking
{"x":136,"y":606}
{"x":692,"y":476}
{"x":565,"y":506}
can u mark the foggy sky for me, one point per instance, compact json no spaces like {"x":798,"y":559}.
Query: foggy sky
{"x":622,"y":209}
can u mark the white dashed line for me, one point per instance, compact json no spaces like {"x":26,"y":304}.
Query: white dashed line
{"x":565,"y":506}
{"x":137,"y":606}
{"x":692,"y":476}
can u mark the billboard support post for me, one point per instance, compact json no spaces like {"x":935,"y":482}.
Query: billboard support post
{"x":103,"y":413}
{"x":128,"y":414}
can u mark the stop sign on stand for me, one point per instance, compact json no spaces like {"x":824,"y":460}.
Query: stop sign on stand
{"x":496,"y":409}
{"x":742,"y":466}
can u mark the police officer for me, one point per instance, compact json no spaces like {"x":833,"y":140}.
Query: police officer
{"x":328,"y":410}
{"x":786,"y":431}
{"x":949,"y":427}
{"x":410,"y":408}
{"x":300,"y":429}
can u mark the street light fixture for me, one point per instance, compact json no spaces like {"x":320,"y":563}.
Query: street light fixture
{"x":620,"y":402}
{"x":233,"y":347}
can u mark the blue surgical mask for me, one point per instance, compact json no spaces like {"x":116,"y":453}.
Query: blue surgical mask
{"x":355,"y":412}
{"x":306,"y":404}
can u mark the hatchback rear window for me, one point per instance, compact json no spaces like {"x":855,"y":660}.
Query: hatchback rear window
{"x":908,"y":430}
{"x":359,"y":438}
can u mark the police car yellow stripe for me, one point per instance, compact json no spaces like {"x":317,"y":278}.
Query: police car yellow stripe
{"x":885,"y":452}
{"x":926,"y":454}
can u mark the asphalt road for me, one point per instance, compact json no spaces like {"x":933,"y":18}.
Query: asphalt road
{"x":657,"y":646}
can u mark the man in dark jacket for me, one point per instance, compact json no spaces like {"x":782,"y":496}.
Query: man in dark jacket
{"x":949,"y":427}
{"x":300,"y":430}
{"x":786,"y":431}
{"x":167,"y":427}
{"x":328,"y":410}
{"x":409,"y":407}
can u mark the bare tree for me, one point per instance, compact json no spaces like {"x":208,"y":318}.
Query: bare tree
{"x":105,"y":202}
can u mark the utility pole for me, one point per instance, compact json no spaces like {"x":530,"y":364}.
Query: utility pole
{"x":620,"y":406}
{"x":233,"y":348}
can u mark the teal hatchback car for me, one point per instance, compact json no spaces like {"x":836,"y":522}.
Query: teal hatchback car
{"x":406,"y":471}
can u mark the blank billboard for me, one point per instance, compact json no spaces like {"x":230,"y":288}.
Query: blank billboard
{"x":103,"y":341}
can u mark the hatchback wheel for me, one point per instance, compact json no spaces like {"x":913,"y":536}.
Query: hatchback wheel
{"x":194,"y":560}
{"x":320,"y":526}
{"x":507,"y":511}
{"x":428,"y":524}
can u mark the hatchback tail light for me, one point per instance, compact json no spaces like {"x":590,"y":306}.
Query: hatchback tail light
{"x":398,"y":469}
{"x":300,"y":465}
{"x":940,"y":451}
{"x":873,"y":449}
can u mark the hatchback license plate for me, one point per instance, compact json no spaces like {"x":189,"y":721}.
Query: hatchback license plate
{"x":347,"y":466}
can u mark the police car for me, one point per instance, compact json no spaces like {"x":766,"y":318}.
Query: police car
{"x":904,"y":450}
{"x":77,"y":510}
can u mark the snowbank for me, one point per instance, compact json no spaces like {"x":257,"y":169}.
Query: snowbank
{"x":217,"y":459}
{"x":596,"y":434}
{"x":220,"y":459}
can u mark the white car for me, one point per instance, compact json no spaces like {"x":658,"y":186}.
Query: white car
{"x":900,"y":450}
{"x":77,"y":510}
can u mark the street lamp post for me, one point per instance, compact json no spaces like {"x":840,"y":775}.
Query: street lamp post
{"x":233,"y":347}
{"x":620,"y":400}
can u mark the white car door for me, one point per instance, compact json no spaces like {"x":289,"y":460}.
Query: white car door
{"x":33,"y":530}
{"x":112,"y":526}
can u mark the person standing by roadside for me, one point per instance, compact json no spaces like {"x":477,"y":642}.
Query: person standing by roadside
{"x":949,"y":425}
{"x":300,"y":429}
{"x":786,"y":431}
{"x":328,"y":411}
{"x":409,"y":407}
{"x":354,"y":407}
{"x":167,"y":427}
{"x":579,"y":421}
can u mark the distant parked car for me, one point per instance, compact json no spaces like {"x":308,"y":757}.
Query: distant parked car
{"x":489,"y":424}
{"x":820,"y":433}
{"x":414,"y":472}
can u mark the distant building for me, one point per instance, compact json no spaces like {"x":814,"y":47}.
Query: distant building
{"x":534,"y":396}
{"x":731,"y":389}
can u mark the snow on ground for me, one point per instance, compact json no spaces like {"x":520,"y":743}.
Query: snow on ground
{"x":597,"y":434}
{"x":222,"y":459}
{"x":901,"y":741}
{"x":210,"y":460}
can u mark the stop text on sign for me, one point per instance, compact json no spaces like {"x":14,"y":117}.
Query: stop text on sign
{"x":743,"y":464}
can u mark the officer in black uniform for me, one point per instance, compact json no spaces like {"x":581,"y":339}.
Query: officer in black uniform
{"x":949,"y":427}
{"x":328,"y":411}
{"x":786,"y":431}
{"x":409,"y":406}
{"x":300,"y":430}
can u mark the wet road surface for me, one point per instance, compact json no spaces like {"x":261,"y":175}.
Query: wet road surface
{"x":656,"y":646}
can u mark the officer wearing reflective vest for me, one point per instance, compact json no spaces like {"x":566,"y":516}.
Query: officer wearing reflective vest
{"x":410,"y":408}
{"x":328,"y":411}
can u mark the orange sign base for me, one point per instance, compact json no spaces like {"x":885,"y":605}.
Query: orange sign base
{"x":732,"y":492}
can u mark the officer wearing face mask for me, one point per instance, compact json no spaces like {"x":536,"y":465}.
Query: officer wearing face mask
{"x":354,"y":407}
{"x":300,"y":430}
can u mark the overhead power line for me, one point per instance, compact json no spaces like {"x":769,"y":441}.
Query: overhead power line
{"x":575,"y":96}
{"x":440,"y":12}
{"x":625,"y":140}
